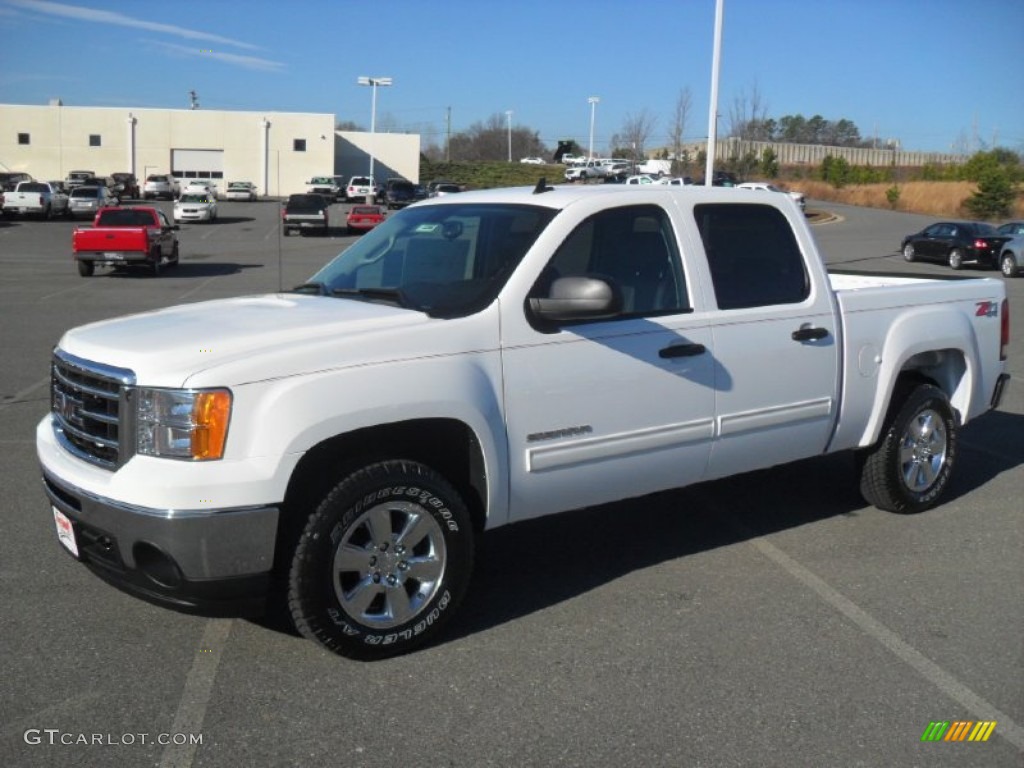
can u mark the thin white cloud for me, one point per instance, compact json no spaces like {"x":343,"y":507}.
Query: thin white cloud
{"x":120,"y":20}
{"x":248,"y":62}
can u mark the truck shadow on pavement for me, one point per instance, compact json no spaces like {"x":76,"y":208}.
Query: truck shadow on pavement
{"x":533,"y":565}
{"x":184,"y":269}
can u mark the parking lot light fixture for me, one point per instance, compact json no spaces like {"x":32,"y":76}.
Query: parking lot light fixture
{"x":593,"y":101}
{"x":373,"y":82}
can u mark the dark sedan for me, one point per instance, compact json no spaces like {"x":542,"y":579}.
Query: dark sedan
{"x":956,"y":243}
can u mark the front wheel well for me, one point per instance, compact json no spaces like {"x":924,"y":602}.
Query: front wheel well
{"x":447,"y":446}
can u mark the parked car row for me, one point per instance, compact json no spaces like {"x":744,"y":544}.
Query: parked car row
{"x":760,"y":186}
{"x":962,"y":243}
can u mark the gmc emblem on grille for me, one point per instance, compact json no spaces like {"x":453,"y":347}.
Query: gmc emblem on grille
{"x":68,"y":408}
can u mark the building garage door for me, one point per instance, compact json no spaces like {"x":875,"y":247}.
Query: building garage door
{"x":197,"y":163}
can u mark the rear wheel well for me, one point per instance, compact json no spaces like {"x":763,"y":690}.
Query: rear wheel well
{"x":943,"y":368}
{"x":447,"y":446}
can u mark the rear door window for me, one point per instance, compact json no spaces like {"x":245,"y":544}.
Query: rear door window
{"x":753,"y":255}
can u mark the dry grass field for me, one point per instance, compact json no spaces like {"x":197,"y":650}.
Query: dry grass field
{"x":938,"y":198}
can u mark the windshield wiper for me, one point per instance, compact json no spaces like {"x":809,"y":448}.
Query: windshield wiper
{"x":394,"y":295}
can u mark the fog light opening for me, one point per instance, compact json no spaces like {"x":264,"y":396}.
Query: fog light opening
{"x":158,"y":566}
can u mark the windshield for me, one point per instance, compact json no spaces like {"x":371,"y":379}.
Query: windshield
{"x":445,"y":260}
{"x":194,"y":199}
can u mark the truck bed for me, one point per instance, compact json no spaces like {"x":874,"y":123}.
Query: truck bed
{"x":889,"y":319}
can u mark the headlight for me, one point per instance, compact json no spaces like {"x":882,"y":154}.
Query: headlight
{"x":183,"y":424}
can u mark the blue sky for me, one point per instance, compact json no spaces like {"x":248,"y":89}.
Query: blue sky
{"x":935,"y":74}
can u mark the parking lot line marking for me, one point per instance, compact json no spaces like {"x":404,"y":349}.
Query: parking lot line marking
{"x":19,"y":396}
{"x":199,"y":287}
{"x":272,"y":232}
{"x":196,"y":695}
{"x":928,"y":669}
{"x":79,"y":287}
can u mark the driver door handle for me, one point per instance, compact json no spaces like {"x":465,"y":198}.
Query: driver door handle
{"x":682,"y":350}
{"x":810,"y":334}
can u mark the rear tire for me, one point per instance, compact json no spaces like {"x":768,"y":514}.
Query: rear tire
{"x":956,"y":259}
{"x":382,"y":563}
{"x":86,"y":268}
{"x":909,"y":468}
{"x":1008,"y":265}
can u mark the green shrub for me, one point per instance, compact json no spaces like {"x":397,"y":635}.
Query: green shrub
{"x":994,"y":196}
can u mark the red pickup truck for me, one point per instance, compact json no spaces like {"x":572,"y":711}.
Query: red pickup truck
{"x":123,"y":237}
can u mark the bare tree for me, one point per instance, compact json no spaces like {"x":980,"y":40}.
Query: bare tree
{"x":488,"y":141}
{"x":677,"y":131}
{"x":747,"y":120}
{"x":636,"y":131}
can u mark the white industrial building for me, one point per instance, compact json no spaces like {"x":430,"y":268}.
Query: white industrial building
{"x":277,"y":151}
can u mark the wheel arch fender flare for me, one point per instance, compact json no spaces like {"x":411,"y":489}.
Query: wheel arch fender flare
{"x":934,"y":345}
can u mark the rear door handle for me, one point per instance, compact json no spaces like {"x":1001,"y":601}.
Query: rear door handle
{"x":682,"y":350}
{"x":810,"y":334}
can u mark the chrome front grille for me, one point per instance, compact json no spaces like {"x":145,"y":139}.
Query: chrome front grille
{"x":89,"y":405}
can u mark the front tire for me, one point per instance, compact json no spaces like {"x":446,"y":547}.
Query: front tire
{"x":908,"y":252}
{"x":956,"y":259}
{"x":908,"y":470}
{"x":1008,"y":265}
{"x":383,"y":562}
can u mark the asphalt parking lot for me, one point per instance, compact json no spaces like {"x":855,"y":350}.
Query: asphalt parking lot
{"x":767,"y":620}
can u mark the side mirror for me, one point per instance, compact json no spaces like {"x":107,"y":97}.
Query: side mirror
{"x":577,"y":298}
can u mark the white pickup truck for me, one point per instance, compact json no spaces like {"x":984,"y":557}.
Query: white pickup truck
{"x":35,"y":198}
{"x":484,"y":358}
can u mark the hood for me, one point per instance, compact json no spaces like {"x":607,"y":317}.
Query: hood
{"x":167,"y":347}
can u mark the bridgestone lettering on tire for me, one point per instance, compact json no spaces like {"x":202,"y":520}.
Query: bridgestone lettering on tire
{"x":909,"y":469}
{"x":383,"y":562}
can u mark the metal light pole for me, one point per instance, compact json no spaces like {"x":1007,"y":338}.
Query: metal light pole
{"x":508,"y":115}
{"x":593,"y":100}
{"x":716,"y":60}
{"x":373,"y":82}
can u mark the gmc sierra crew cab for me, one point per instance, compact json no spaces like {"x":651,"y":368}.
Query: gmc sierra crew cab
{"x":485,"y":358}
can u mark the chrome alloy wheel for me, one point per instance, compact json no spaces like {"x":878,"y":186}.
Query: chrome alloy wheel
{"x":923,"y":450}
{"x":389,"y":564}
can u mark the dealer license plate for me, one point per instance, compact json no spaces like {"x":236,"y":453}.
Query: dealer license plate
{"x":65,"y":531}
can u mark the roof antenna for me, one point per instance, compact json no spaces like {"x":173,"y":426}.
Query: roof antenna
{"x":542,"y":186}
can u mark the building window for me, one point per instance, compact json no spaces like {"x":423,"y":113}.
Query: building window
{"x":94,"y":140}
{"x":299,"y":145}
{"x":23,"y":138}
